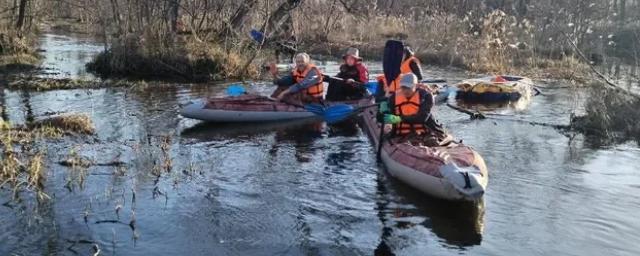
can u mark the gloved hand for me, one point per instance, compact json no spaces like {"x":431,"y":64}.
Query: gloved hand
{"x":384,"y":107}
{"x":392,"y":119}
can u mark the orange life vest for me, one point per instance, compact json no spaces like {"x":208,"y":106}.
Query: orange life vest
{"x":316,"y":90}
{"x":408,"y":107}
{"x":395,"y":84}
{"x":406,"y":65}
{"x":499,"y":79}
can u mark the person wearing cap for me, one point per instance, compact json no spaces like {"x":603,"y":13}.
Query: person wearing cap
{"x":410,"y":64}
{"x":305,"y":81}
{"x":353,"y":73}
{"x":408,"y":110}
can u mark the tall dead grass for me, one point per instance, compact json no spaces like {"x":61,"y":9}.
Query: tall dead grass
{"x":157,"y":57}
{"x":16,"y":51}
{"x":22,"y":170}
{"x":495,"y":43}
{"x":610,"y":115}
{"x":22,"y":154}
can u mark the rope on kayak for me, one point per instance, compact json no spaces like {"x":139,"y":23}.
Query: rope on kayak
{"x":467,"y":180}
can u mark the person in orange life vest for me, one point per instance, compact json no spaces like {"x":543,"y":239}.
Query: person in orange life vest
{"x":408,"y":109}
{"x":410,"y":64}
{"x":353,"y":71}
{"x":305,"y":80}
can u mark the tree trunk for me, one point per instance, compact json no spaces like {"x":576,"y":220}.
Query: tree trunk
{"x":21,"y":14}
{"x":241,"y":16}
{"x":279,"y":17}
{"x":623,"y":13}
{"x":116,"y":15}
{"x":175,"y":12}
{"x":239,"y":19}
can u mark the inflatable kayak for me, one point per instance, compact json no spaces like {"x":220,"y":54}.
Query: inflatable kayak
{"x":451,"y":172}
{"x":495,"y":89}
{"x":250,"y":108}
{"x":439,"y":88}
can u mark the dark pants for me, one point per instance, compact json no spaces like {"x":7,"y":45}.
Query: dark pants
{"x":341,"y":91}
{"x":296,"y":98}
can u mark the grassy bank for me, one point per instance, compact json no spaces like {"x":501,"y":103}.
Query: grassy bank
{"x":182,"y":59}
{"x":610,"y":115}
{"x":17,"y":52}
{"x":31,"y":83}
{"x":496,"y":44}
{"x":23,"y":151}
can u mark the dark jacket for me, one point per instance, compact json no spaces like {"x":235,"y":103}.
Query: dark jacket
{"x":339,"y":90}
{"x":357,"y":72}
{"x":416,"y":69}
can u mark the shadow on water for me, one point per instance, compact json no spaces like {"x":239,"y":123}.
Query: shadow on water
{"x":204,"y":131}
{"x":346,"y":128}
{"x":307,"y":188}
{"x":457,"y":224}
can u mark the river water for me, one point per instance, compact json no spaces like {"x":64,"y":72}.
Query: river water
{"x":307,"y":188}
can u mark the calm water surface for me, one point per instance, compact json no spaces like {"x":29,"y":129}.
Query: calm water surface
{"x":306,"y":188}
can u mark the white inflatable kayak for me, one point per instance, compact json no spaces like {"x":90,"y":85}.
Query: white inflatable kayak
{"x":249,"y":108}
{"x":450,"y":172}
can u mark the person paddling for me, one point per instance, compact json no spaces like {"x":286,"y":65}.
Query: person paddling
{"x":410,"y":65}
{"x":304,"y":82}
{"x":408,"y":111}
{"x":353,"y":74}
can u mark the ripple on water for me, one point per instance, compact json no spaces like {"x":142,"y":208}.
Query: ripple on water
{"x":308,"y":188}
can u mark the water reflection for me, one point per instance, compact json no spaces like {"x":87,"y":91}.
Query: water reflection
{"x":304,"y":187}
{"x":459,"y":225}
{"x":65,"y":56}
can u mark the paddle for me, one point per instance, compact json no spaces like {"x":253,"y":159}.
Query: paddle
{"x":257,"y":36}
{"x":236,"y":90}
{"x":331,"y":114}
{"x":371,"y":86}
{"x":391,"y":61}
{"x":337,"y":112}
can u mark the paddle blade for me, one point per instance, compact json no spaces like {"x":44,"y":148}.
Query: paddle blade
{"x":337,"y":113}
{"x":372,"y":87}
{"x":236,"y":90}
{"x":257,"y":36}
{"x":315,"y":108}
{"x":392,"y":59}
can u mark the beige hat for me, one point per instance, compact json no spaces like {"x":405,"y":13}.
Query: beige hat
{"x":408,"y":80}
{"x":353,"y":52}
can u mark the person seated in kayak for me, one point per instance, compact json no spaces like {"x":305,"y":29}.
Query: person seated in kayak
{"x":353,"y":74}
{"x":410,"y":64}
{"x":408,"y":110}
{"x":304,"y":82}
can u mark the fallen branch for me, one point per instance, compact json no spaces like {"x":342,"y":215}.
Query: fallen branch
{"x":479,"y":115}
{"x":604,"y":78}
{"x":472,"y":115}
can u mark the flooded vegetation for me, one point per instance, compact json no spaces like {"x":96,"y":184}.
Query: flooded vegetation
{"x":97,"y":161}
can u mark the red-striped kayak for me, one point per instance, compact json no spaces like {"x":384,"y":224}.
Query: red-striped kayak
{"x":251,"y":108}
{"x":451,"y":172}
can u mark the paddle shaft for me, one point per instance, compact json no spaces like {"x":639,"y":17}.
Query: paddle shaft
{"x":329,"y":78}
{"x":391,"y":62}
